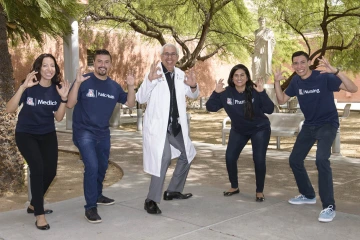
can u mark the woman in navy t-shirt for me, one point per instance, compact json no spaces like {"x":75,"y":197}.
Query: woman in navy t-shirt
{"x":43,"y":96}
{"x":245,"y":103}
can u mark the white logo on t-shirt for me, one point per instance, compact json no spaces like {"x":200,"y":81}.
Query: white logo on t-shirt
{"x":90,"y":93}
{"x":303,"y":92}
{"x":30,"y":101}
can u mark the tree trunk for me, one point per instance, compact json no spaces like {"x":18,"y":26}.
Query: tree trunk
{"x":11,"y":162}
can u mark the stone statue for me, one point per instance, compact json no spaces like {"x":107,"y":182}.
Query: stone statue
{"x":264,"y":47}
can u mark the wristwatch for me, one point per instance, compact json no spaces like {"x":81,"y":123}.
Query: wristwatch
{"x":64,"y":101}
{"x":193,"y":87}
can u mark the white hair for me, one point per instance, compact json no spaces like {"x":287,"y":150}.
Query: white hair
{"x":169,"y":45}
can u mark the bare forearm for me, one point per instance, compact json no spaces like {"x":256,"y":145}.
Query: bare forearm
{"x":73,"y":94}
{"x":130,"y":102}
{"x":13,"y":104}
{"x":60,"y":113}
{"x":348,"y":84}
{"x":279,"y":93}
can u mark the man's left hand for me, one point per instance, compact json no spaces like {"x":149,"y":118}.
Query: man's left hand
{"x":327,"y":68}
{"x":130,"y":78}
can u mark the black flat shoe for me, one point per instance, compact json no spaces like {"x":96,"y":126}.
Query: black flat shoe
{"x":46,"y":211}
{"x":46,"y":227}
{"x":228,"y":194}
{"x":260,"y":199}
{"x":151,"y":207}
{"x":176,"y":195}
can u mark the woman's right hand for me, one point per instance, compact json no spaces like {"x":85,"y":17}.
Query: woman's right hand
{"x":29,"y":80}
{"x":219,"y":87}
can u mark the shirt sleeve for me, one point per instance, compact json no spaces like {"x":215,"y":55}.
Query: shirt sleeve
{"x":291,"y":90}
{"x":214,"y":103}
{"x":267,"y":106}
{"x":333,"y":82}
{"x":122,"y":97}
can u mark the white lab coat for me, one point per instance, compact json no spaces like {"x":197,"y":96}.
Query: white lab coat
{"x":157,"y":96}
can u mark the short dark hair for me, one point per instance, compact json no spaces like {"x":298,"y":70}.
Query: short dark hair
{"x":37,"y":66}
{"x":102,"y":52}
{"x":300,"y":53}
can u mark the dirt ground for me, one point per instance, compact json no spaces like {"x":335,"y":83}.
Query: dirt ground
{"x":205,"y":127}
{"x":67,"y":184}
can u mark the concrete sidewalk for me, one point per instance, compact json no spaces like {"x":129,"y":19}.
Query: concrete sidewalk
{"x":208,"y":214}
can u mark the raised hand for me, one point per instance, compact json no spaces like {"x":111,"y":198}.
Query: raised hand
{"x":190,"y":78}
{"x":327,"y":68}
{"x":29,"y":80}
{"x":219,"y":86}
{"x":64,"y":90}
{"x":278,"y":75}
{"x":79,"y":77}
{"x":259,"y":86}
{"x":130,"y":78}
{"x":153,"y":71}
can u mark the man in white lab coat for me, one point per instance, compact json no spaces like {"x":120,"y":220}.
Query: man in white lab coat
{"x":165,"y":131}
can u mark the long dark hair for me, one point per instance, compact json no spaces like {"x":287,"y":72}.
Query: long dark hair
{"x":249,"y":86}
{"x":37,"y":66}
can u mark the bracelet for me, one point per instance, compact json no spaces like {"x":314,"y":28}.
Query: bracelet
{"x":337,"y":71}
{"x":64,"y":101}
{"x":193,"y":87}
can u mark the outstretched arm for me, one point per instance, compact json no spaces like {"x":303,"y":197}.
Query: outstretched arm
{"x":13,"y":104}
{"x":346,"y":84}
{"x":280,"y":95}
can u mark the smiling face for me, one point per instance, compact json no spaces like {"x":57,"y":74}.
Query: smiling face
{"x":301,"y":66}
{"x":169,"y":57}
{"x":239,"y":78}
{"x":47,"y":70}
{"x":102,"y":65}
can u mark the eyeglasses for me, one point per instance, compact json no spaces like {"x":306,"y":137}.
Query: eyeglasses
{"x":173,"y":54}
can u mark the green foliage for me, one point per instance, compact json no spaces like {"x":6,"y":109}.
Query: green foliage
{"x":202,"y":28}
{"x":323,"y":27}
{"x":31,"y":18}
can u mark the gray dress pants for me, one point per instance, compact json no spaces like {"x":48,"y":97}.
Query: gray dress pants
{"x":181,"y":171}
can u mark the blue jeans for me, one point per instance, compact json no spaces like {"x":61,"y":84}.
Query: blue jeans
{"x":95,"y":155}
{"x":324,"y":135}
{"x":259,"y":142}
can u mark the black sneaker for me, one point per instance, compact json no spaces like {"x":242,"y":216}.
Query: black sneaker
{"x":92,"y":216}
{"x":105,"y":201}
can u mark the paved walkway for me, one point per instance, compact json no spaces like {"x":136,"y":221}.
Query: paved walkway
{"x":208,"y":214}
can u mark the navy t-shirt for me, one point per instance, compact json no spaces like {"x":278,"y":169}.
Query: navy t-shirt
{"x":234,"y":104}
{"x":37,"y":113}
{"x":316,"y":97}
{"x":96,"y":102}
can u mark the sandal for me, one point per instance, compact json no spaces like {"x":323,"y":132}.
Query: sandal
{"x":228,"y":194}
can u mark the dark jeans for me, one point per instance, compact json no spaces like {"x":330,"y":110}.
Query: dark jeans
{"x":95,"y":154}
{"x":41,"y":154}
{"x":324,"y":135}
{"x":259,"y":142}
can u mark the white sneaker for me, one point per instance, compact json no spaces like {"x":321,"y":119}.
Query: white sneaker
{"x":301,"y":199}
{"x":328,"y":214}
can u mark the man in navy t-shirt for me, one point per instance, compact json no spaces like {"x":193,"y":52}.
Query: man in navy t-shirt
{"x":94,"y":96}
{"x":314,"y":91}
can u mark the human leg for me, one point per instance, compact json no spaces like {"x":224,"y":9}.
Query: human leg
{"x":304,"y":141}
{"x":236,"y":144}
{"x":260,"y":142}
{"x":29,"y":148}
{"x":49,"y":152}
{"x":103,"y":154}
{"x":87,"y":148}
{"x":325,"y":136}
{"x":157,"y":183}
{"x":182,"y":167}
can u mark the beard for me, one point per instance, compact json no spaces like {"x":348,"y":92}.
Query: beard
{"x":102,"y":72}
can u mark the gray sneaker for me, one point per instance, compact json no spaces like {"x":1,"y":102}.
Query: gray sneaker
{"x":301,"y":199}
{"x":328,"y":214}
